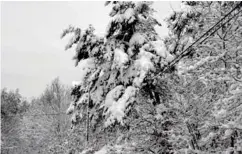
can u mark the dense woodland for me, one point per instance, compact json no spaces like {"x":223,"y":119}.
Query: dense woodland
{"x":140,"y":93}
{"x":38,"y":126}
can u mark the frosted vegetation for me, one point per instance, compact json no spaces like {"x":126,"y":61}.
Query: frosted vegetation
{"x":127,"y":101}
{"x":194,"y":107}
{"x":129,"y":53}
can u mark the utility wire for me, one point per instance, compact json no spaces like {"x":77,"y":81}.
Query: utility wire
{"x":186,"y":51}
{"x":183,"y":53}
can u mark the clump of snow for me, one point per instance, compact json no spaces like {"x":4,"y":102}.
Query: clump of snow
{"x":144,"y":60}
{"x":137,"y":38}
{"x":139,"y":79}
{"x":120,"y":57}
{"x":117,"y":108}
{"x":170,"y":57}
{"x":88,"y":63}
{"x":76,"y":83}
{"x":113,"y":95}
{"x":86,"y":66}
{"x":144,"y":64}
{"x":129,"y":15}
{"x":161,"y":50}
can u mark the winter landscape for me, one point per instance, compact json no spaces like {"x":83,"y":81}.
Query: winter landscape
{"x":137,"y":77}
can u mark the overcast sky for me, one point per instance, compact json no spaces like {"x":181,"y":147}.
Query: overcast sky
{"x":32,"y":54}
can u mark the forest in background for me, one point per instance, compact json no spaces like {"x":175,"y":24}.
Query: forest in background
{"x":36,"y":126}
{"x":141,"y":93}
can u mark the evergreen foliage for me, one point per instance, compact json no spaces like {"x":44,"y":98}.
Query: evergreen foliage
{"x":194,"y":108}
{"x":117,"y":66}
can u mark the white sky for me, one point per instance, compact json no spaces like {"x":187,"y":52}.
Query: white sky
{"x":32,"y":54}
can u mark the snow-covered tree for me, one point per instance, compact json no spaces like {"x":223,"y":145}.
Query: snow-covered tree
{"x":45,"y":126}
{"x":117,"y":66}
{"x":196,"y":108}
{"x":216,"y":64}
{"x":13,"y":105}
{"x":117,"y":69}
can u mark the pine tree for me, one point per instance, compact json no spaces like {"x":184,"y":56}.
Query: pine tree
{"x":118,"y":65}
{"x":117,"y":68}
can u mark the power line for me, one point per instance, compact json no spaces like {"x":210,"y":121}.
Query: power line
{"x":183,"y":52}
{"x":221,"y":26}
{"x":186,"y":51}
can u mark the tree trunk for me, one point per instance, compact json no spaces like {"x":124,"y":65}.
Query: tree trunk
{"x":87,"y":125}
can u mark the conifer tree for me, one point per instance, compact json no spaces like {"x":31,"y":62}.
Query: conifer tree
{"x":117,"y":69}
{"x":117,"y":66}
